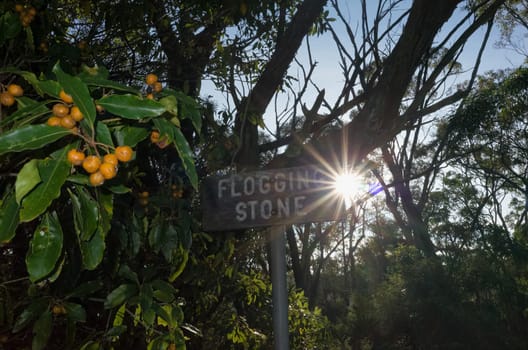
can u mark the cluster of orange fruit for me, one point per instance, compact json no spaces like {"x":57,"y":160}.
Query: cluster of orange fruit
{"x":27,"y":14}
{"x":7,"y":97}
{"x":154,"y":85}
{"x":63,"y":115}
{"x":100,"y":170}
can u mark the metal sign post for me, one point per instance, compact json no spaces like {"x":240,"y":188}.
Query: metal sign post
{"x":279,"y":288}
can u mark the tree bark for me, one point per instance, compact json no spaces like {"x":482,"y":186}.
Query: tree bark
{"x":259,"y":97}
{"x":379,"y":120}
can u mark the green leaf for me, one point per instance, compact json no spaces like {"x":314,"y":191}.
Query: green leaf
{"x":119,"y":189}
{"x":116,"y":331}
{"x":75,"y":312}
{"x":145,"y":296}
{"x":79,"y":92}
{"x":53,"y":173}
{"x":27,"y":113}
{"x":9,"y":218}
{"x":184,"y":151}
{"x":106,"y":210}
{"x":163,"y":291}
{"x":28,"y":177}
{"x":42,"y":87}
{"x":86,"y":289}
{"x":85,"y":213}
{"x":31,"y":137}
{"x":42,"y":330}
{"x":92,"y":251}
{"x":130,"y":135}
{"x":48,"y":87}
{"x":102,"y":134}
{"x":45,"y":248}
{"x":9,"y":26}
{"x":126,"y":272}
{"x":36,"y":308}
{"x":109,"y":84}
{"x":131,"y":107}
{"x":91,"y":345}
{"x":119,"y":295}
{"x":188,"y":108}
{"x":170,"y":103}
{"x":179,"y":269}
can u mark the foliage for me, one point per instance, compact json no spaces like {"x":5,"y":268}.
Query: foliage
{"x":95,"y":266}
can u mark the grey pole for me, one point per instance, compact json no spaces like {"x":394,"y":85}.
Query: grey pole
{"x":279,"y":288}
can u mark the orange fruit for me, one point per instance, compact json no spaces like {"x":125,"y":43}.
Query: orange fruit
{"x":154,"y":136}
{"x":32,"y":11}
{"x":151,"y":78}
{"x":43,"y":46}
{"x":60,"y":110}
{"x":123,"y":153}
{"x":157,"y":87}
{"x":97,"y":179}
{"x":109,"y":171}
{"x":67,"y":122}
{"x":150,"y":96}
{"x":15,"y":90}
{"x":54,"y":121}
{"x":58,"y":309}
{"x":19,"y":8}
{"x":75,"y":157}
{"x":76,"y":114}
{"x":91,"y":164}
{"x":110,"y":158}
{"x":26,"y":20}
{"x":65,"y":97}
{"x":7,"y":99}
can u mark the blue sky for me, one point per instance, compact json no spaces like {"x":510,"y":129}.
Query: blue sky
{"x":328,"y":75}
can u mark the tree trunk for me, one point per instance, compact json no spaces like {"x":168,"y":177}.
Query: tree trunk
{"x":254,"y":105}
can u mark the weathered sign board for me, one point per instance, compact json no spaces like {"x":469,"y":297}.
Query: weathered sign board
{"x":268,"y":198}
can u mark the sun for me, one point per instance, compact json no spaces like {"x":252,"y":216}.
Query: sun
{"x":348,"y":185}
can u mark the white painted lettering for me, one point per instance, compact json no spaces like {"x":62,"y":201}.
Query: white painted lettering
{"x":253,"y":207}
{"x":283,"y":207}
{"x":264,"y":184}
{"x":249,"y":186}
{"x":222,"y":187}
{"x":298,"y":204}
{"x":241,"y":213}
{"x":266,"y":209}
{"x":280,"y":183}
{"x":234,"y":193}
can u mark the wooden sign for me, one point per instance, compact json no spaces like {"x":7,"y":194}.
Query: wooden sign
{"x":270,"y":197}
